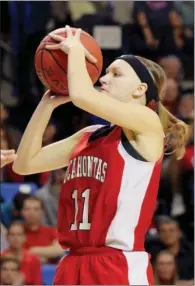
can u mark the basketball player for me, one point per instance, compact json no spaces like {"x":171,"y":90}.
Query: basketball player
{"x":109,"y":193}
{"x":7,"y":156}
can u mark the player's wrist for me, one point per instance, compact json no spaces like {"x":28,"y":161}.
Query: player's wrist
{"x":46,"y":104}
{"x":76,"y":48}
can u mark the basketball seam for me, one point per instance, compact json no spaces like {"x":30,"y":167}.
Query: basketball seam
{"x":57,"y":64}
{"x":92,"y":64}
{"x":43,"y":69}
{"x":55,"y":60}
{"x":44,"y":72}
{"x":89,"y":36}
{"x":63,"y":68}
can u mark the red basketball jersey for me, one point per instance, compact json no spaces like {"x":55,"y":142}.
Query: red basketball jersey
{"x":109,"y":193}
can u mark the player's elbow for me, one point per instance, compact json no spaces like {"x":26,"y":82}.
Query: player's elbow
{"x":19,"y":171}
{"x":78,"y":97}
{"x":77,"y":101}
{"x":20,"y":168}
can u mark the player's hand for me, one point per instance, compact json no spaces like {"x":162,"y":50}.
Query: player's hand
{"x":65,"y":44}
{"x":7,"y":156}
{"x":54,"y":100}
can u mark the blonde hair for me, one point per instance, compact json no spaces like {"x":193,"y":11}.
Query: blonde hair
{"x":176,"y":131}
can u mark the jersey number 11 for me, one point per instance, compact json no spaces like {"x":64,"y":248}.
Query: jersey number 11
{"x":84,"y":224}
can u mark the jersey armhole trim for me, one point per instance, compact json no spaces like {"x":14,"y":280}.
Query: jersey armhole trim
{"x":130,"y":149}
{"x":100,"y":132}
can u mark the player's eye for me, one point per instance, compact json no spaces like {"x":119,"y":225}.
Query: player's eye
{"x":116,"y":74}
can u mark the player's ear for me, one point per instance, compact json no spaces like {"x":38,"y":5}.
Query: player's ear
{"x":140,"y":91}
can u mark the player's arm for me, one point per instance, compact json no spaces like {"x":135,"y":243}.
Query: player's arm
{"x":31,"y":156}
{"x":134,"y":117}
{"x":138,"y":118}
{"x":35,"y":159}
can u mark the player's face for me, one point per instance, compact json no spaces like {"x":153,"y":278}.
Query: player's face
{"x":121,"y":82}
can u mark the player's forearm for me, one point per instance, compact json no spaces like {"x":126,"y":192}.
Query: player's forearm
{"x":31,"y":142}
{"x":79,"y":82}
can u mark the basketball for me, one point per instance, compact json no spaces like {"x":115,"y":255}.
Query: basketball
{"x":51,"y":65}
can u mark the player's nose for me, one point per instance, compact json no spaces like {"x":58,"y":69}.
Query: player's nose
{"x":104,"y":79}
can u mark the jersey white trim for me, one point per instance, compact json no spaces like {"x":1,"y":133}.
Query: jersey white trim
{"x":134,"y":183}
{"x":93,"y":128}
{"x":137,"y":267}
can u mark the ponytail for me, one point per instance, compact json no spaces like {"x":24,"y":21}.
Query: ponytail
{"x":176,"y":132}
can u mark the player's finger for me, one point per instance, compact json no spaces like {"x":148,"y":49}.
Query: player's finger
{"x":58,"y":31}
{"x":57,"y":38}
{"x":2,"y":161}
{"x":78,"y":34}
{"x":7,"y":152}
{"x":47,"y":94}
{"x":53,"y":47}
{"x":3,"y":157}
{"x":11,"y":158}
{"x":69,"y":32}
{"x":89,"y":56}
{"x":6,"y":159}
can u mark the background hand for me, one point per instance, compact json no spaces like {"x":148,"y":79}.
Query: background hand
{"x":152,"y":43}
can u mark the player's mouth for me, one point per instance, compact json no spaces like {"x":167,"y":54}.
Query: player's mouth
{"x":102,"y":89}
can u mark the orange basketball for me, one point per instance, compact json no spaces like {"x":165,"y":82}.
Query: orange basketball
{"x":51,"y":65}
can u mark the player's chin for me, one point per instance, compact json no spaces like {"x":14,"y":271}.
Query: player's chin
{"x":111,"y":95}
{"x":107,"y":93}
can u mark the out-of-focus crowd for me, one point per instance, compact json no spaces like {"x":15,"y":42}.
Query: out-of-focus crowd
{"x":159,"y":30}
